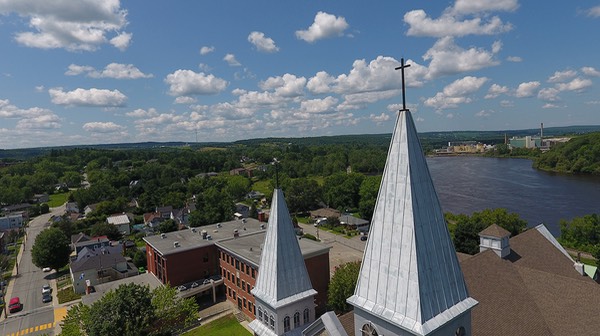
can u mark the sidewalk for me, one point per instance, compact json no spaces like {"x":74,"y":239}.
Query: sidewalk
{"x":9,"y":288}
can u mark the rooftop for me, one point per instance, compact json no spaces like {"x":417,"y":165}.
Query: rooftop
{"x":250,"y":247}
{"x":192,"y":238}
{"x":118,"y":219}
{"x":494,"y":231}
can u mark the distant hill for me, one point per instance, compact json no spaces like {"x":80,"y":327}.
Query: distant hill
{"x":428,"y":139}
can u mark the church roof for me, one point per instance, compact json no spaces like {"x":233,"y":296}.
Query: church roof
{"x":283,"y":278}
{"x":494,"y":231}
{"x":534,"y":291}
{"x":410,"y":275}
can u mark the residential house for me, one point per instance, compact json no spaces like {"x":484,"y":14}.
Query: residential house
{"x":16,"y":207}
{"x":354,"y":223}
{"x":71,"y":207}
{"x":121,"y":221}
{"x":94,"y":266}
{"x":325,"y":213}
{"x":182,"y":216}
{"x":41,"y":198}
{"x":80,"y":241}
{"x":90,"y":208}
{"x":11,"y":221}
{"x":165,"y":211}
{"x":152,"y":220}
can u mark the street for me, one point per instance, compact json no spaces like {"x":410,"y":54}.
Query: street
{"x":36,"y":318}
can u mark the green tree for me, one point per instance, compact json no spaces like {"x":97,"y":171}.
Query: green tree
{"x":105,"y":229}
{"x":302,"y":194}
{"x":51,"y":249}
{"x":172,"y":312}
{"x":369,"y":189}
{"x":168,"y":225}
{"x":44,"y":208}
{"x":342,"y":286}
{"x":125,"y":311}
{"x":74,"y":323}
{"x":238,"y":186}
{"x":133,"y":310}
{"x":466,"y":233}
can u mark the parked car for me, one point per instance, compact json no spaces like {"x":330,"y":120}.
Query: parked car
{"x":15,"y":305}
{"x":46,"y":297}
{"x":363,"y":238}
{"x":46,"y":269}
{"x":46,"y":289}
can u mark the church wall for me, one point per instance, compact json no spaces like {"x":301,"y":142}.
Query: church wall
{"x":385,"y":328}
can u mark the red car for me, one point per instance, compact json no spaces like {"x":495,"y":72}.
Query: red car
{"x":15,"y":305}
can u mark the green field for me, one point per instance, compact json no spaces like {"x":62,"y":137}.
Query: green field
{"x":57,"y":200}
{"x":225,"y":326}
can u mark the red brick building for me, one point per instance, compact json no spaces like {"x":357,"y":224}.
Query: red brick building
{"x":240,"y":259}
{"x":182,"y":257}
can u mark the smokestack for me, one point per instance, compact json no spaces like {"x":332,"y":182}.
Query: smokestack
{"x":541,"y":135}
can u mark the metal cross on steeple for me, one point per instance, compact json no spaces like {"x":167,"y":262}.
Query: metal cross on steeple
{"x":401,"y":67}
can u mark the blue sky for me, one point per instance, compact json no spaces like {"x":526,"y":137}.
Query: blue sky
{"x":89,"y":72}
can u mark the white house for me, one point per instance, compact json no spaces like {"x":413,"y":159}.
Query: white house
{"x":121,"y":222}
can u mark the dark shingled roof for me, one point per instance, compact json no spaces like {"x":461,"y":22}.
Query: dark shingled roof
{"x":534,"y":291}
{"x":494,"y":231}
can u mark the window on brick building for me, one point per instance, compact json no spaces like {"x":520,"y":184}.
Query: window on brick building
{"x":243,"y":267}
{"x":238,"y":282}
{"x":223,"y":272}
{"x":228,"y":258}
{"x":243,"y":285}
{"x":248,"y":288}
{"x":245,"y":303}
{"x":250,"y":306}
{"x":229,"y":291}
{"x":234,"y":296}
{"x":228,"y":276}
{"x":237,"y":265}
{"x":253,"y":274}
{"x":247,"y":270}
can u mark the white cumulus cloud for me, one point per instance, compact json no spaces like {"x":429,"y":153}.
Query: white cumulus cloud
{"x":206,"y":50}
{"x":112,"y":70}
{"x":141,"y":113}
{"x":514,"y":59}
{"x":590,"y":71}
{"x":562,"y":76}
{"x":89,"y":97}
{"x":577,"y":84}
{"x":457,"y":92}
{"x":81,"y":25}
{"x":496,"y":90}
{"x":188,"y":82}
{"x":447,"y":25}
{"x":528,"y":89}
{"x":287,"y":85}
{"x":325,"y":26}
{"x":230,"y":59}
{"x":262,"y":43}
{"x":103,"y":127}
{"x":447,"y":58}
{"x":594,"y":12}
{"x":479,"y":6}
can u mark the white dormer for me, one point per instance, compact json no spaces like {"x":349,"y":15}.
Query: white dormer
{"x":495,"y":238}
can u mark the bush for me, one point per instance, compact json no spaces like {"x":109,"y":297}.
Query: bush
{"x":309,"y":236}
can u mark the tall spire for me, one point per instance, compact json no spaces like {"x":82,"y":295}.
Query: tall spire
{"x":283,"y":280}
{"x":410,"y":276}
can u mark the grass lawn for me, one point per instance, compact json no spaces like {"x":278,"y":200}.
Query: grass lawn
{"x":263,"y":186}
{"x":225,"y":326}
{"x":67,"y":295}
{"x":57,"y":199}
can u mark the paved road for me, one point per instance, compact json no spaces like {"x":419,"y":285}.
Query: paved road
{"x":343,"y":249}
{"x":36,"y":318}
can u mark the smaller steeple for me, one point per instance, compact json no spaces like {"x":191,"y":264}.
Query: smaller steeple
{"x":283,"y":292}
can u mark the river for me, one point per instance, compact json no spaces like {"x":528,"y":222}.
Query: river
{"x":466,"y":184}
